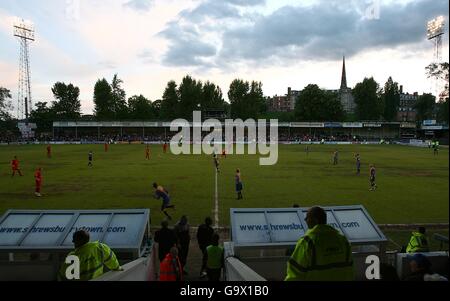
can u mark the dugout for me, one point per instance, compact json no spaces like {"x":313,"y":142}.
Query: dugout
{"x":263,"y":239}
{"x":33,"y":244}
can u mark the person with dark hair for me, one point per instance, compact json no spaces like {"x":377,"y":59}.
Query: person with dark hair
{"x":216,"y":162}
{"x":388,"y":273}
{"x":170,"y":268}
{"x":421,"y":269}
{"x":336,"y":157}
{"x":322,"y":254}
{"x":204,"y":237}
{"x":93,"y":257}
{"x":358,"y":164}
{"x":418,"y":242}
{"x":372,"y":178}
{"x":239,"y":186}
{"x":166,"y":239}
{"x":182,"y":231}
{"x":90,"y":158}
{"x":215,"y":259}
{"x":147,"y":152}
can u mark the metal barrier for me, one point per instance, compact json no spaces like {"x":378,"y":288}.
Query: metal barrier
{"x":441,"y":238}
{"x":236,"y":270}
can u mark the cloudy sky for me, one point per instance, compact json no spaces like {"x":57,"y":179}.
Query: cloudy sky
{"x":283,"y":43}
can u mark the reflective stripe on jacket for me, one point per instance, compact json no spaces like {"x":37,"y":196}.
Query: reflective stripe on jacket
{"x":417,"y":243}
{"x":323,"y":254}
{"x":93,"y":257}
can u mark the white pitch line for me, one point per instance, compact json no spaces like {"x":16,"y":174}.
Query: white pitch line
{"x":216,"y":209}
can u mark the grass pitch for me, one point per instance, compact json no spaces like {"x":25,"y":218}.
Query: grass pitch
{"x":412,"y":183}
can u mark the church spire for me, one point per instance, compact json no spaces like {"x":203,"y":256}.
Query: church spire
{"x":344,"y":76}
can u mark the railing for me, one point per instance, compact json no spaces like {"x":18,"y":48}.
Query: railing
{"x":236,"y":270}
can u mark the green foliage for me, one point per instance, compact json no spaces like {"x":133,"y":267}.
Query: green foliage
{"x":315,"y":104}
{"x":43,"y":116}
{"x":246,"y":99}
{"x":140,"y":108}
{"x":169,"y":102}
{"x":119,"y":99}
{"x":443,"y":111}
{"x":67,"y":105}
{"x":424,"y":107}
{"x":103,"y":100}
{"x":190,"y":93}
{"x":5,"y":104}
{"x":212,"y":97}
{"x":369,"y":105}
{"x":391,"y":100}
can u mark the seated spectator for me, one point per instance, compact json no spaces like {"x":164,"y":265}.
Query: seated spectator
{"x":418,"y":242}
{"x":421,"y":269}
{"x":388,"y":273}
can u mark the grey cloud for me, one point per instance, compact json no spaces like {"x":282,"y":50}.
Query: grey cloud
{"x":139,"y":5}
{"x":328,"y":30}
{"x":186,"y":47}
{"x":245,"y":2}
{"x":107,"y":64}
{"x":210,"y":9}
{"x":323,"y":31}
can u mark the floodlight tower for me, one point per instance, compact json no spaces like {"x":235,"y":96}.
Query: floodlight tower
{"x":435,"y":32}
{"x":25,"y":32}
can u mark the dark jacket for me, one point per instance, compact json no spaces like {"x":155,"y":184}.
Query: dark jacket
{"x":166,"y":239}
{"x":204,"y":236}
{"x":183,"y":233}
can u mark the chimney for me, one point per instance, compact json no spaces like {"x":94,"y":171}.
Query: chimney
{"x":289,"y":91}
{"x":401,"y":89}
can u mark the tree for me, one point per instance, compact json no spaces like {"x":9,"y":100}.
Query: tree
{"x":43,"y":116}
{"x":246,"y":99}
{"x":237,"y":95}
{"x":424,"y":107}
{"x":369,"y":104}
{"x":67,"y":105}
{"x":103,"y":100}
{"x":190,"y":94}
{"x":169,"y":102}
{"x":141,"y":108}
{"x":212,"y":97}
{"x":256,"y":98}
{"x":119,"y":99}
{"x":439,"y":72}
{"x":5,"y":103}
{"x":443,"y":111}
{"x":315,"y":104}
{"x":391,"y":100}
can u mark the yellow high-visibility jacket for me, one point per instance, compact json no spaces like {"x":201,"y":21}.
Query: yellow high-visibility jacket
{"x":323,"y":254}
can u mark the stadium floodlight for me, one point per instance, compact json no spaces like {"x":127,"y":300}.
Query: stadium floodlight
{"x":435,"y":27}
{"x":24,"y":30}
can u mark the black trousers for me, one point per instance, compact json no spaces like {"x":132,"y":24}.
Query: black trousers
{"x":184,"y":250}
{"x":204,"y":258}
{"x":214,"y":274}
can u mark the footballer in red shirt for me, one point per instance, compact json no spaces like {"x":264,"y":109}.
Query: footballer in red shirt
{"x":15,"y":167}
{"x":38,"y":179}
{"x":49,"y":151}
